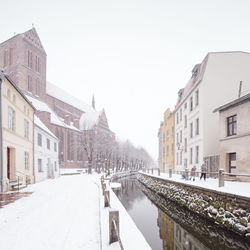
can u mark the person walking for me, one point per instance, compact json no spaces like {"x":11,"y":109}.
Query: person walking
{"x":203,"y":171}
{"x":193,"y":169}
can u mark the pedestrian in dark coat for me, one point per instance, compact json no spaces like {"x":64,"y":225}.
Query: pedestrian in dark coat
{"x":193,"y":169}
{"x":203,"y":171}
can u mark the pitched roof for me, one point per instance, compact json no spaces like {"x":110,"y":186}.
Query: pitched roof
{"x":64,"y":96}
{"x":42,"y":126}
{"x":2,"y":74}
{"x":89,"y":120}
{"x":54,"y":119}
{"x":237,"y":102}
{"x":197,"y":74}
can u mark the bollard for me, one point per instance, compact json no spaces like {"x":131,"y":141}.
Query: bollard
{"x":152,"y":171}
{"x":103,"y":188}
{"x":106,"y":198}
{"x":159,"y":171}
{"x":113,"y":230}
{"x":186,"y":174}
{"x":170,"y":173}
{"x":221,"y":178}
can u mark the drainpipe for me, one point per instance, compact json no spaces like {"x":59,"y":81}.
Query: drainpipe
{"x":1,"y":137}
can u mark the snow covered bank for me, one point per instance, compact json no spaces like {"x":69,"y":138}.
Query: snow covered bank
{"x":228,"y":210}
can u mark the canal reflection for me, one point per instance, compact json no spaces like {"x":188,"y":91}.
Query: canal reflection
{"x":170,"y":227}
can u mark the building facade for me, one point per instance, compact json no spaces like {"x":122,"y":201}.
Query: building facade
{"x":235,"y":136}
{"x":214,"y":82}
{"x":17,"y":117}
{"x":46,"y":162}
{"x":167,"y":147}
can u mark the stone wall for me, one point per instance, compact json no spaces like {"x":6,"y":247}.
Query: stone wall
{"x":227,"y":210}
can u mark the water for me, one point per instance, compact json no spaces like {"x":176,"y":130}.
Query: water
{"x":170,"y":227}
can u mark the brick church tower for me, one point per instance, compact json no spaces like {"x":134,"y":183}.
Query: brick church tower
{"x":23,"y":58}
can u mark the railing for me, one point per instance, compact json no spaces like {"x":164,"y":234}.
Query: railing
{"x":114,"y":232}
{"x":220,"y":175}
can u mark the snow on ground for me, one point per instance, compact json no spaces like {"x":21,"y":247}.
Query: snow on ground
{"x":66,"y":213}
{"x":231,"y":187}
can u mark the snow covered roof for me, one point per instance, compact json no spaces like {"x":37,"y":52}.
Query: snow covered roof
{"x":54,"y":119}
{"x":89,"y":120}
{"x":64,"y":96}
{"x":41,"y":125}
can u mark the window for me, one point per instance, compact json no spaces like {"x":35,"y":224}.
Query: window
{"x":39,"y":164}
{"x":26,"y":129}
{"x":173,"y":131}
{"x":55,"y":147}
{"x":26,"y":160}
{"x":232,"y":125}
{"x":191,"y":103}
{"x":14,"y":99}
{"x":29,"y":83}
{"x":167,"y":150}
{"x":180,"y":115}
{"x":11,"y":118}
{"x":185,"y":106}
{"x":185,"y":121}
{"x":197,"y":97}
{"x":185,"y":145}
{"x":29,"y":59}
{"x":181,"y":158}
{"x":167,"y":135}
{"x":8,"y":93}
{"x":177,"y":138}
{"x":191,"y":155}
{"x":181,"y":136}
{"x":172,"y":148}
{"x":177,"y":158}
{"x":39,"y":139}
{"x":177,"y":118}
{"x":163,"y":137}
{"x":197,"y":155}
{"x":191,"y":130}
{"x":232,"y":162}
{"x":197,"y":126}
{"x":48,"y":144}
{"x":5,"y":58}
{"x":37,"y":86}
{"x":11,"y":56}
{"x":163,"y":152}
{"x":55,"y":164}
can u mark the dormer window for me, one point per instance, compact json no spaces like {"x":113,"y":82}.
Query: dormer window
{"x":195,"y":71}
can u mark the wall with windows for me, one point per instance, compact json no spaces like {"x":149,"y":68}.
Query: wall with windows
{"x":17,"y":118}
{"x":46,"y":162}
{"x":234,"y":148}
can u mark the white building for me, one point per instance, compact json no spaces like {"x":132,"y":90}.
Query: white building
{"x":214,"y":82}
{"x":46,"y":164}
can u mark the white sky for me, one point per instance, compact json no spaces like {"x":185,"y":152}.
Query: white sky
{"x":134,"y":55}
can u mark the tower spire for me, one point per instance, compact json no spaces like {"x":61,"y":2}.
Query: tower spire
{"x":93,"y":102}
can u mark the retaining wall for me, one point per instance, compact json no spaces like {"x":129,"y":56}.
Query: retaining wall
{"x":228,"y":210}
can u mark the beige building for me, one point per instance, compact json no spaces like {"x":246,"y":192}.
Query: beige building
{"x":16,"y":136}
{"x":235,"y":135}
{"x":166,"y":146}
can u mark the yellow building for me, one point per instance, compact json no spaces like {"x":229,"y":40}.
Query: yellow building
{"x":167,"y":141}
{"x":16,"y":136}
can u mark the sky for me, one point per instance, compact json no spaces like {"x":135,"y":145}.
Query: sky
{"x":133,"y":55}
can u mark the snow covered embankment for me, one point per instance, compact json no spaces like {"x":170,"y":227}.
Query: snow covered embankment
{"x":227,"y":210}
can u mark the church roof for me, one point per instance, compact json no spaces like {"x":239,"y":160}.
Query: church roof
{"x":89,"y":120}
{"x":60,"y":94}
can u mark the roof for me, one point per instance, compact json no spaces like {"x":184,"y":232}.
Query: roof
{"x":54,"y":119}
{"x":64,"y":96}
{"x":198,"y":72}
{"x":17,"y":89}
{"x":89,"y":120}
{"x":42,"y":126}
{"x":237,"y":102}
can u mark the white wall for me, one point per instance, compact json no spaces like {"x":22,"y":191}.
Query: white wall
{"x":46,"y":155}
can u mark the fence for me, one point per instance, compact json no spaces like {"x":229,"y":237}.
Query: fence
{"x":114,"y":225}
{"x":221,"y":174}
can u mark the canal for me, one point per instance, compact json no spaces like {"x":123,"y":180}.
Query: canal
{"x":170,"y":227}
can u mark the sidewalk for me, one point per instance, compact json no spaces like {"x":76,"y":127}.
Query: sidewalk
{"x":66,"y":213}
{"x":231,"y":187}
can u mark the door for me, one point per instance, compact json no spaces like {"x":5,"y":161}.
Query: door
{"x":232,"y":162}
{"x":8,"y":163}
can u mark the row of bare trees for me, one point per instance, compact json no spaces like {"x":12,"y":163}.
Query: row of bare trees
{"x":104,"y":153}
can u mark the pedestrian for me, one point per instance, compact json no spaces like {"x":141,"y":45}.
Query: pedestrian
{"x":193,"y":169}
{"x":203,"y":171}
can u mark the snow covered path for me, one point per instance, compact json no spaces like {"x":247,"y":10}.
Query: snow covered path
{"x":60,"y":214}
